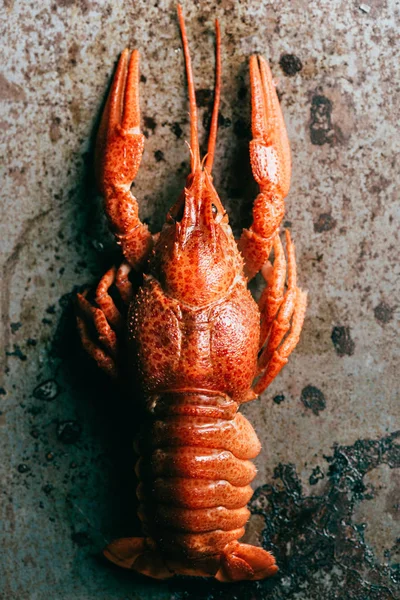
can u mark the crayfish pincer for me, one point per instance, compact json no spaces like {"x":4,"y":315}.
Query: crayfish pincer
{"x":199,"y":342}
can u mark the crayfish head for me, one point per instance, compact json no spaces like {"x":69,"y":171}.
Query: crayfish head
{"x":196,"y":258}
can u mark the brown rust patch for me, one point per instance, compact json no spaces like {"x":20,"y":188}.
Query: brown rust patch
{"x":73,"y":54}
{"x":10,"y":91}
{"x":55,"y":131}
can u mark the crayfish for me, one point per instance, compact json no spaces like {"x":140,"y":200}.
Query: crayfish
{"x":200,"y":344}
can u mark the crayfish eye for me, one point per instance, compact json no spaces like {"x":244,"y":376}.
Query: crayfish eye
{"x":214,"y":209}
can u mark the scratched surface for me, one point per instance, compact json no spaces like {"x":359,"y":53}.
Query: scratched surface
{"x":327,"y":489}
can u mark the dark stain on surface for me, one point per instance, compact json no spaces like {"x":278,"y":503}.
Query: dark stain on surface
{"x":48,"y":488}
{"x":69,"y":432}
{"x":17,"y":352}
{"x":290,"y":64}
{"x":159,"y":155}
{"x":383,"y":313}
{"x":341,"y":339}
{"x":314,"y":538}
{"x":48,"y":390}
{"x":313,"y":398}
{"x":177,"y":130}
{"x":242,"y":129}
{"x":278,"y":399}
{"x":149,"y":123}
{"x":222,"y":122}
{"x":23,"y":468}
{"x":15,"y":326}
{"x":204,"y":97}
{"x":316,"y":476}
{"x":325,"y":222}
{"x":242,"y":93}
{"x":80,"y":538}
{"x":34,"y":410}
{"x":322,"y":131}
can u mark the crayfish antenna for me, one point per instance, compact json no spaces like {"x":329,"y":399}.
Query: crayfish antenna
{"x":194,"y":138}
{"x":212,"y":139}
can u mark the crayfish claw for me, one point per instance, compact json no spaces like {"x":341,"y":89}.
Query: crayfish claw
{"x":119,"y":149}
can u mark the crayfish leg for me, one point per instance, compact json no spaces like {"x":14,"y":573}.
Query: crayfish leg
{"x":100,"y":323}
{"x":273,"y":293}
{"x":282,"y":314}
{"x":280,"y":356}
{"x":102,"y":358}
{"x":279,"y":314}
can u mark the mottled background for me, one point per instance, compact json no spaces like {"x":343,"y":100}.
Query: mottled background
{"x":327,"y":498}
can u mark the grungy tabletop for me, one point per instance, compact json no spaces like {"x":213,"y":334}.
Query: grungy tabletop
{"x":327,"y":489}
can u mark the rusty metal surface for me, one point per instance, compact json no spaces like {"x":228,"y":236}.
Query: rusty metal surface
{"x":327,"y":497}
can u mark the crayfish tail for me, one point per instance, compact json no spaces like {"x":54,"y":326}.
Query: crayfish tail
{"x":237,"y":562}
{"x":143,"y":556}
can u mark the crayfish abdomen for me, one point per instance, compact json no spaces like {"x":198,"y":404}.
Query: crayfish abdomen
{"x":194,"y":473}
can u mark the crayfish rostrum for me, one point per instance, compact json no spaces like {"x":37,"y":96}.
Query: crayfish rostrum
{"x":199,"y":342}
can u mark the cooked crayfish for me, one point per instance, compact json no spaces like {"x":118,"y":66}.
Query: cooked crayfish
{"x":200,"y":343}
